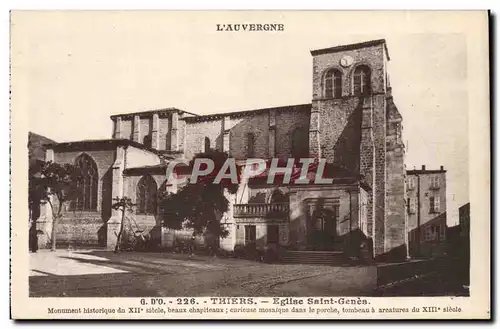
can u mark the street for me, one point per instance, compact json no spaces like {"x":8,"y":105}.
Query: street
{"x":134,"y":274}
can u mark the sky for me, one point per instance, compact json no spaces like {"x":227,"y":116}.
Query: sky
{"x":78,"y":68}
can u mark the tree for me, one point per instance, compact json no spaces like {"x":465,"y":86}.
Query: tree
{"x":199,"y":206}
{"x":123,"y":204}
{"x":35,"y":197}
{"x":59,"y":181}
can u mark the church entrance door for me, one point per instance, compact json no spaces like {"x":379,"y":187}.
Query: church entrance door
{"x":322,"y":228}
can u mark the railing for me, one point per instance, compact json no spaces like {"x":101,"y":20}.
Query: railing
{"x":268,"y":210}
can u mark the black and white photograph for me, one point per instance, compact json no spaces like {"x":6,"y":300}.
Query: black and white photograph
{"x":268,"y":164}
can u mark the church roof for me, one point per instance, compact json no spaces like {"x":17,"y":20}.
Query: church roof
{"x":352,"y":46}
{"x":236,"y":114}
{"x":97,"y":144}
{"x":158,"y":111}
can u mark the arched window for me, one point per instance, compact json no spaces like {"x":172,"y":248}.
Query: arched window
{"x":147,"y":191}
{"x":300,"y":143}
{"x":333,"y":84}
{"x":88,"y":185}
{"x":206,"y":144}
{"x":362,"y":80}
{"x":278,"y":197}
{"x":147,"y":141}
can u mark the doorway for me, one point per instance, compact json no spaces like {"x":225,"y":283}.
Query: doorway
{"x":322,"y":226}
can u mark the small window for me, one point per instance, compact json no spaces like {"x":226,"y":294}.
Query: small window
{"x":437,"y":206}
{"x":410,"y":183}
{"x":250,"y":234}
{"x":250,"y":145}
{"x":147,"y":141}
{"x":362,"y":80}
{"x":434,"y":182}
{"x":434,"y":204}
{"x":432,"y":233}
{"x":206,"y":144}
{"x":429,"y":233}
{"x":333,"y":84}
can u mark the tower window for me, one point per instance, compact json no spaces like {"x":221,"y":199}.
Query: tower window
{"x":362,"y":80}
{"x":333,"y":84}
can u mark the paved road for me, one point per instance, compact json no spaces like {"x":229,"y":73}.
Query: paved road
{"x":133,"y":274}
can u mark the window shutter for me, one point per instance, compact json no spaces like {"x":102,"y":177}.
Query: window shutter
{"x":412,"y":205}
{"x":437,"y":205}
{"x":411,"y":183}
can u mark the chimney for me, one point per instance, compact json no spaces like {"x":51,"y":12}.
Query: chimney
{"x":423,"y":167}
{"x":442,"y":168}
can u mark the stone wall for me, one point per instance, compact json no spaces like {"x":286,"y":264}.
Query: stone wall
{"x":379,"y":193}
{"x":81,"y":229}
{"x":395,"y":225}
{"x":272,"y":130}
{"x":88,"y":228}
{"x":196,"y":132}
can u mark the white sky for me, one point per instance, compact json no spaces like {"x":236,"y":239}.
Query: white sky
{"x":79,"y":68}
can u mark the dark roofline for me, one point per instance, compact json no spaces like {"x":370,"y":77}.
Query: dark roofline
{"x":236,"y":114}
{"x":97,"y":144}
{"x":37,"y":135}
{"x":420,"y":172}
{"x":464,"y":205}
{"x":165,"y":110}
{"x":352,"y":46}
{"x":159,"y":169}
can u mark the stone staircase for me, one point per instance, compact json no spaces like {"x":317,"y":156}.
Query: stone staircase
{"x":331,"y":258}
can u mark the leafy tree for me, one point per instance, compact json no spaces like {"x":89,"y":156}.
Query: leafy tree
{"x":123,"y":204}
{"x":35,"y":196}
{"x":199,"y":206}
{"x":59,"y":181}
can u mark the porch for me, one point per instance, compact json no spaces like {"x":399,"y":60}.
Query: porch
{"x":262,"y":210}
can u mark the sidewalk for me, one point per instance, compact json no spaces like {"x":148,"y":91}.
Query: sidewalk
{"x":65,"y":262}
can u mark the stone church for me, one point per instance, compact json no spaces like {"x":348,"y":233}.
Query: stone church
{"x":352,"y":122}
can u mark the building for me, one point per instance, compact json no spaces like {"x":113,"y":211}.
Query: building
{"x":352,"y":122}
{"x":464,"y":220}
{"x":426,"y":201}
